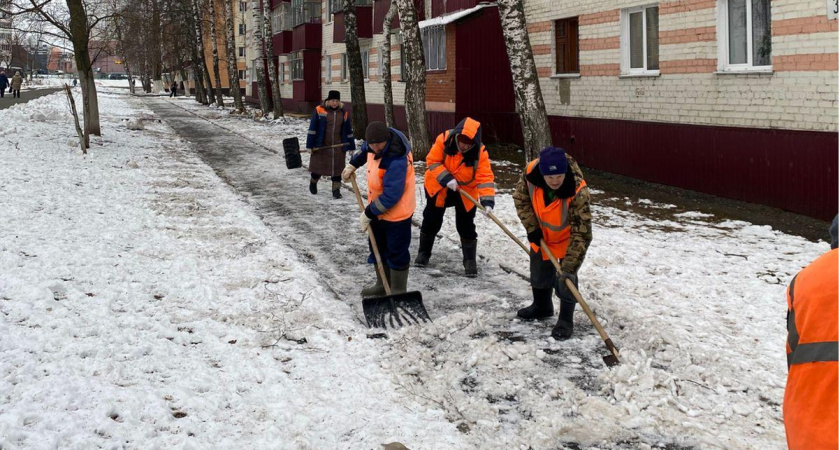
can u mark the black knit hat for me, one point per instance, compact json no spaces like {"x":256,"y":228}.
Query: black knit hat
{"x":333,"y":95}
{"x":377,"y":132}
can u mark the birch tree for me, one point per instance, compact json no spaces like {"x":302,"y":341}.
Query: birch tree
{"x":202,"y":61}
{"x":259,"y":67}
{"x":354,"y":62}
{"x":233,"y":70}
{"x":385,"y":70}
{"x":213,"y":36}
{"x":411,"y":51}
{"x":526,"y":83}
{"x":276,"y":98}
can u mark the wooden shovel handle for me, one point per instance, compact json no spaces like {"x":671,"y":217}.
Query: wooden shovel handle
{"x":327,"y":147}
{"x":492,"y":216}
{"x":604,"y":337}
{"x":373,"y":245}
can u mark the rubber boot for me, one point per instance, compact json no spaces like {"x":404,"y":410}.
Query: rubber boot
{"x":336,"y":188}
{"x":565,"y":324}
{"x":469,"y":248}
{"x":313,"y":186}
{"x":425,"y":251}
{"x":398,"y":280}
{"x":377,"y":289}
{"x":541,"y":308}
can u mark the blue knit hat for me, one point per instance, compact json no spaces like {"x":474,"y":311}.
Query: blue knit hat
{"x":553,"y":161}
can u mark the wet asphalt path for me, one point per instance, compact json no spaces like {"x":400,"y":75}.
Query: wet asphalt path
{"x":25,"y":95}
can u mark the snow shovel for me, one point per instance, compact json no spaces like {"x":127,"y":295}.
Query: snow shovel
{"x":394,"y":310}
{"x":610,"y":360}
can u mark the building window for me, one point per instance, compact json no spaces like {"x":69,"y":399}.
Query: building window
{"x":366,"y":63}
{"x":328,"y":69}
{"x":241,"y":52}
{"x":335,"y":6}
{"x":344,"y":67}
{"x":243,"y":74}
{"x":744,"y":34}
{"x":242,"y":29}
{"x":281,"y":71}
{"x":434,"y":47}
{"x":243,"y":6}
{"x":640,"y":40}
{"x":296,"y":64}
{"x":566,"y":46}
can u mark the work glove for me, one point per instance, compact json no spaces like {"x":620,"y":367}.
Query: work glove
{"x":535,"y":237}
{"x":487,"y":210}
{"x":364,"y":221}
{"x":488,"y":206}
{"x":452,"y":184}
{"x":561,"y":289}
{"x":348,"y":172}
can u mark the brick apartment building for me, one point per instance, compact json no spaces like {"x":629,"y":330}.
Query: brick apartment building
{"x":736,"y":98}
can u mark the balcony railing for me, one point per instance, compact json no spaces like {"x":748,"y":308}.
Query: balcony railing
{"x":306,"y":13}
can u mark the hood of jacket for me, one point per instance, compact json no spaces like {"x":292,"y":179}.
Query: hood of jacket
{"x":468,"y":127}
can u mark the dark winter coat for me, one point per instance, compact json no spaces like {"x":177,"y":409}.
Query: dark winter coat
{"x":329,"y":162}
{"x":4,"y":81}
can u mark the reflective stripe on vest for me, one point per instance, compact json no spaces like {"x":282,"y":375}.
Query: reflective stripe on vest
{"x":806,"y":353}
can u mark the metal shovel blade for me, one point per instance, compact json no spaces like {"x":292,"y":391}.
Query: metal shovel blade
{"x":395,"y":310}
{"x":611,"y":360}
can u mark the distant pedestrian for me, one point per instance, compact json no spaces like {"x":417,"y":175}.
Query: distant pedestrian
{"x":4,"y":82}
{"x":810,"y":405}
{"x":330,"y":125}
{"x":17,"y":81}
{"x":173,"y":89}
{"x":75,"y":82}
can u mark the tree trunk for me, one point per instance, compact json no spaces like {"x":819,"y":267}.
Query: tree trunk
{"x":354,"y":62}
{"x":80,"y":38}
{"x":233,"y":69}
{"x":202,"y":61}
{"x":526,"y":83}
{"x":411,"y":51}
{"x":385,"y":70}
{"x":259,"y":66}
{"x":197,"y":59}
{"x":155,"y":50}
{"x":219,"y":99}
{"x":276,"y":98}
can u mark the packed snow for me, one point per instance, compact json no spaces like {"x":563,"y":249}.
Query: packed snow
{"x":151,"y":299}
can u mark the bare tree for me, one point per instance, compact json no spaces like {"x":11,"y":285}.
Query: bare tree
{"x":526,"y":84}
{"x":276,"y":98}
{"x":385,"y":70}
{"x":411,"y":52}
{"x":219,"y":99}
{"x":259,"y":67}
{"x":202,"y":60}
{"x":354,"y":61}
{"x":233,"y":71}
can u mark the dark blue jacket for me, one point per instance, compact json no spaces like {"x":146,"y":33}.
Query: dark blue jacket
{"x":318,"y":125}
{"x":395,"y":162}
{"x":4,"y":81}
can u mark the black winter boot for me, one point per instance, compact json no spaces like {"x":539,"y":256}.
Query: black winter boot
{"x":313,"y":186}
{"x":565,"y":323}
{"x":541,"y":308}
{"x":398,"y":280}
{"x":336,"y":188}
{"x":425,"y":251}
{"x":468,"y":248}
{"x":377,"y":289}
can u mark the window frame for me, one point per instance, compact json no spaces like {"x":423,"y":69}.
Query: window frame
{"x":242,"y":29}
{"x":344,"y":68}
{"x":434,"y":36}
{"x":243,"y":74}
{"x":365,"y":54}
{"x":243,"y":6}
{"x":626,"y":56}
{"x":296,"y":66}
{"x":568,"y":20}
{"x":242,"y":52}
{"x":724,"y":66}
{"x":327,"y":69}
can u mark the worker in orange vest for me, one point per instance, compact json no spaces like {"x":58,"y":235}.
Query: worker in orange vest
{"x":810,"y":405}
{"x":552,"y":202}
{"x":457,"y":160}
{"x":391,"y":202}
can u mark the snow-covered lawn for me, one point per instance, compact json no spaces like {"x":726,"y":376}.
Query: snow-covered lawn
{"x":144,"y":304}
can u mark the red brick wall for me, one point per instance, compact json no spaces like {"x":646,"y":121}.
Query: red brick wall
{"x":440,"y":85}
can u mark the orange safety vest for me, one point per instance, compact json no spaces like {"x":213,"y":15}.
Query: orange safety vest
{"x":407,"y":203}
{"x":553,"y":218}
{"x":810,"y":405}
{"x":475,"y":179}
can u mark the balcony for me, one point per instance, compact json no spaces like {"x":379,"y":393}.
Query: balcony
{"x":441,"y":7}
{"x":364,"y":20}
{"x":281,"y":25}
{"x":306,"y":23}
